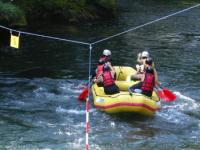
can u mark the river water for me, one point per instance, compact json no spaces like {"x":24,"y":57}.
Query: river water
{"x":40,"y":82}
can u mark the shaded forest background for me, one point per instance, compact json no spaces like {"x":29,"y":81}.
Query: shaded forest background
{"x":24,"y":12}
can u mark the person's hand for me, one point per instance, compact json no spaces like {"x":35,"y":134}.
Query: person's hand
{"x":94,"y":80}
{"x":137,"y":67}
{"x":109,"y":64}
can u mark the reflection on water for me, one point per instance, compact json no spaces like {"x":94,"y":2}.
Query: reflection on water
{"x":39,"y":86}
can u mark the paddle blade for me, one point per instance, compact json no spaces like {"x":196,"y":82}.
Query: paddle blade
{"x":169,"y":96}
{"x":83,"y":95}
{"x":161,"y":94}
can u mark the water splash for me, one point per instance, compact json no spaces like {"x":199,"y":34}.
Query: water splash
{"x":183,"y":103}
{"x":72,"y":111}
{"x":192,"y":103}
{"x":184,"y":97}
{"x":178,"y":108}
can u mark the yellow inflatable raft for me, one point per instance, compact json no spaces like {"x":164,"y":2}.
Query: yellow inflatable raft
{"x":124,"y":101}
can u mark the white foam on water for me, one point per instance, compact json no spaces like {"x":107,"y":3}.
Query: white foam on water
{"x":17,"y":103}
{"x":66,"y":96}
{"x":174,"y":111}
{"x":40,"y":89}
{"x":72,"y":111}
{"x":78,"y":143}
{"x":20,"y":103}
{"x":73,"y":87}
{"x":174,"y":116}
{"x":63,"y":87}
{"x":69,"y":88}
{"x":72,"y":90}
{"x":80,"y":124}
{"x":95,"y":146}
{"x":184,"y":97}
{"x":76,"y":112}
{"x":60,"y":132}
{"x":52,"y":125}
{"x":81,"y":86}
{"x":112,"y":124}
{"x":183,"y":103}
{"x":61,"y":110}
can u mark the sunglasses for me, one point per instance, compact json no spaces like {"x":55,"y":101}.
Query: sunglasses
{"x":144,"y":57}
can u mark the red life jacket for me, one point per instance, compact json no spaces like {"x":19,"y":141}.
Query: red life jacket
{"x":108,"y":79}
{"x":148,"y":82}
{"x":99,"y":69}
{"x":100,"y":65}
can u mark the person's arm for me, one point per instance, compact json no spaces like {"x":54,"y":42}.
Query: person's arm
{"x":110,"y":65}
{"x":137,"y":68}
{"x":99,"y":79}
{"x":142,"y":68}
{"x":112,"y":69}
{"x":142,"y":77}
{"x":156,"y":77}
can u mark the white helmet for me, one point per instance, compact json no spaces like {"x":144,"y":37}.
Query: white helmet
{"x":106,"y":52}
{"x":145,"y":54}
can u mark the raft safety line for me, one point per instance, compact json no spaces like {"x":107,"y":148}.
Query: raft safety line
{"x":45,"y":36}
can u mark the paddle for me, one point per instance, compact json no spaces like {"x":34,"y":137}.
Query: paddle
{"x":165,"y":94}
{"x":85,"y":92}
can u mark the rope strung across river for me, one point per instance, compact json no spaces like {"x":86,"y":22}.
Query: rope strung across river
{"x":45,"y":36}
{"x":87,"y":126}
{"x":148,"y":23}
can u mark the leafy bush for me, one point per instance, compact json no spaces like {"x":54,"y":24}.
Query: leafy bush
{"x":11,"y":14}
{"x":67,"y":10}
{"x":14,"y":12}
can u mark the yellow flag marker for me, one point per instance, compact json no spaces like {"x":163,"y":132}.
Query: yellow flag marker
{"x":14,"y":41}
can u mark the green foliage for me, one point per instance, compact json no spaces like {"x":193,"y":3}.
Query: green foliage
{"x":11,"y":14}
{"x":55,"y":10}
{"x":106,"y":4}
{"x":67,"y":10}
{"x":104,"y":8}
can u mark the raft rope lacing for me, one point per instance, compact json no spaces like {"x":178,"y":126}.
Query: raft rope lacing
{"x":90,"y":53}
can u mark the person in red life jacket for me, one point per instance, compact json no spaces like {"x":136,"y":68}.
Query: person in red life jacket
{"x":104,"y":59}
{"x":140,"y":66}
{"x":107,"y":78}
{"x":147,"y":82}
{"x":99,"y":69}
{"x":99,"y":72}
